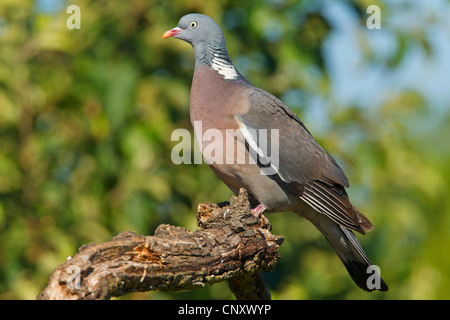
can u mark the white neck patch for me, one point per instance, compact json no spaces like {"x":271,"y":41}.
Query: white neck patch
{"x":224,"y":67}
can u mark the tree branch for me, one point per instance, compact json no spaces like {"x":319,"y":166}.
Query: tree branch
{"x":232,"y":244}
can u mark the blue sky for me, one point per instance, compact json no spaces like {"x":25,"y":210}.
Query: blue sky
{"x":354,"y":81}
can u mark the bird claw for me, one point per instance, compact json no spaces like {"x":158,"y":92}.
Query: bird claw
{"x":258,"y":210}
{"x":258,"y":213}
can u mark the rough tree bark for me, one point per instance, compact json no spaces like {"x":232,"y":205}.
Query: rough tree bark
{"x":231,"y":244}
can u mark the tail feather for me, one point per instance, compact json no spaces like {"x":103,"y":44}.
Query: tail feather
{"x":352,"y":255}
{"x":365,"y":275}
{"x":364,"y":222}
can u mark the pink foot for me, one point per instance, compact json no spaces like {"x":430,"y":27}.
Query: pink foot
{"x":258,"y":212}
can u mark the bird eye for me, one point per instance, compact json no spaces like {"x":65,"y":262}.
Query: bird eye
{"x":193,"y":24}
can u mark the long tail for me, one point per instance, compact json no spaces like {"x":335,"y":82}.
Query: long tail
{"x":352,"y":255}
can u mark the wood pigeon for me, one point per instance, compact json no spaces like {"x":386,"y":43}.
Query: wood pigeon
{"x":252,"y":140}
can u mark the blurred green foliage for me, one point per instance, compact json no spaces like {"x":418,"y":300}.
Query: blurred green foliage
{"x":86,"y":118}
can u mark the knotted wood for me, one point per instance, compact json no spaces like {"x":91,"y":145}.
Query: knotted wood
{"x":231,"y":244}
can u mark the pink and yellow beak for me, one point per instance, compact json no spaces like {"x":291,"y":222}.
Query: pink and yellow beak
{"x":172,"y":32}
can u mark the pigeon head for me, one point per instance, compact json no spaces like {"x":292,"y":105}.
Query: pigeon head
{"x":198,"y":30}
{"x":208,"y":41}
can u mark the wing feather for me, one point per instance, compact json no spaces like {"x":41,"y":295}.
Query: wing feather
{"x":304,"y":167}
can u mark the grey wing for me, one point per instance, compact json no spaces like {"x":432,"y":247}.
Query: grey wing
{"x":303,"y":167}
